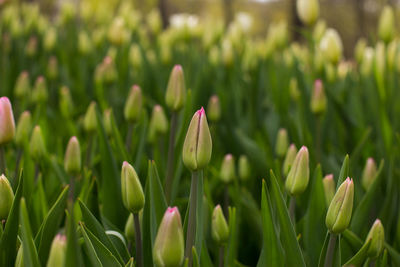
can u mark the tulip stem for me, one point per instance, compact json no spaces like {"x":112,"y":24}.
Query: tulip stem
{"x":292,"y":210}
{"x":2,"y":160}
{"x":330,"y":251}
{"x":221,"y":256}
{"x":71,"y":192}
{"x":128,"y":140}
{"x":170,"y":162}
{"x":89,"y":150}
{"x":17,"y":163}
{"x":138,"y":240}
{"x":318,"y":137}
{"x":191,"y":229}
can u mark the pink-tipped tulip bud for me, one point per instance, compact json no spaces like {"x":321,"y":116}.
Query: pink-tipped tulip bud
{"x":377,"y":237}
{"x":299,"y":174}
{"x":37,"y":147}
{"x":168,"y":248}
{"x":318,"y":98}
{"x":368,"y":174}
{"x":7,"y":124}
{"x":57,"y":251}
{"x":219,"y":227}
{"x":176,"y":90}
{"x":339,"y":211}
{"x":90,"y":120}
{"x":132,"y":191}
{"x":39,"y":93}
{"x":72,"y":159}
{"x":290,"y":156}
{"x":329,"y":188}
{"x":244,"y":168}
{"x":282,"y":142}
{"x":6,"y":197}
{"x":228,"y":173}
{"x":214,"y":109}
{"x":197,"y":147}
{"x":386,"y":28}
{"x":133,"y":105}
{"x":22,"y":87}
{"x":23,"y":128}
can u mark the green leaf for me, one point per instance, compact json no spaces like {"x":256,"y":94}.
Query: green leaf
{"x":360,"y":257}
{"x":321,"y":261}
{"x":199,"y":214}
{"x":73,"y":252}
{"x":231,"y":253}
{"x":383,"y":261}
{"x":196,"y":262}
{"x":344,"y":171}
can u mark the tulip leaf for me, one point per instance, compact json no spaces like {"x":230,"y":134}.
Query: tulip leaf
{"x":196,"y":262}
{"x":344,"y":171}
{"x":360,"y":257}
{"x":73,"y":255}
{"x":120,"y":147}
{"x":231,"y":252}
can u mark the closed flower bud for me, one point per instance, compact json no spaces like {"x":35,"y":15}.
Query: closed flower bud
{"x":197,"y":147}
{"x":290,"y":156}
{"x":282,"y":142}
{"x":176,"y":90}
{"x":65,"y":103}
{"x":57,"y":251}
{"x":318,"y":98}
{"x":130,"y":228}
{"x":386,"y":24}
{"x":133,"y":105}
{"x":214,"y":109}
{"x":227,"y":172}
{"x":329,"y":188}
{"x":6,"y":197}
{"x":39,"y":93}
{"x":72,"y":159}
{"x":319,"y":30}
{"x":135,"y":56}
{"x":368,"y":174}
{"x":219,"y":227}
{"x":90,"y":120}
{"x":331,"y":46}
{"x":37,"y":146}
{"x":84,"y":43}
{"x":132,"y":191}
{"x":107,"y":121}
{"x":359,"y":49}
{"x":308,"y":11}
{"x":244,"y":168}
{"x":367,"y":62}
{"x":22,"y":85}
{"x":294,"y":89}
{"x":23,"y":128}
{"x":52,"y":68}
{"x":339,"y":211}
{"x":299,"y":174}
{"x":31,"y":46}
{"x":377,"y":237}
{"x":7,"y":124}
{"x":380,"y":67}
{"x":158,"y":123}
{"x":50,"y":39}
{"x":392,"y":50}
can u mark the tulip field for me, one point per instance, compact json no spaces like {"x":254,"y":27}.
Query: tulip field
{"x":127,"y":143}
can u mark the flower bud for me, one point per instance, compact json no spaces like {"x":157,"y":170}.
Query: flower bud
{"x":90,"y":120}
{"x":133,"y":105}
{"x":329,"y":188}
{"x":368,"y":174}
{"x":318,"y":98}
{"x":377,"y":237}
{"x":39,"y":92}
{"x":197,"y":147}
{"x":31,"y":46}
{"x":319,"y":30}
{"x":290,"y":156}
{"x":176,"y":90}
{"x":130,"y":228}
{"x":107,"y":121}
{"x":219,"y":227}
{"x":214,"y":109}
{"x":135,"y":56}
{"x":37,"y":146}
{"x":331,"y":46}
{"x":23,"y":128}
{"x":72,"y":159}
{"x":227,"y":173}
{"x":294,"y":89}
{"x":57,"y":251}
{"x":168,"y":248}
{"x":282,"y":142}
{"x":380,"y":67}
{"x":158,"y":123}
{"x":65,"y":103}
{"x":244,"y":168}
{"x":308,"y":11}
{"x":392,"y":50}
{"x":132,"y":191}
{"x":367,"y":62}
{"x":339,"y":211}
{"x":22,"y":85}
{"x":50,"y":39}
{"x":299,"y":174}
{"x":7,"y":124}
{"x":386,"y":24}
{"x":359,"y":49}
{"x":52,"y":68}
{"x":6,"y":197}
{"x":84,"y":43}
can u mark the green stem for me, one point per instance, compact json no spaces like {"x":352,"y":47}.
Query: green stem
{"x":191,"y":230}
{"x":17,"y":163}
{"x":318,"y":137}
{"x":170,"y":163}
{"x":2,"y":160}
{"x":89,"y":150}
{"x":138,"y":241}
{"x":292,"y":210}
{"x":128,"y":140}
{"x":221,"y":256}
{"x":330,"y":251}
{"x":71,"y":192}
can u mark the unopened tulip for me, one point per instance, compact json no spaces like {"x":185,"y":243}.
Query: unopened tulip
{"x":227,"y":172}
{"x":37,"y":145}
{"x":359,"y":50}
{"x":23,"y":128}
{"x":219,"y":227}
{"x":244,"y":168}
{"x":90,"y":120}
{"x":367,"y":62}
{"x":308,"y":11}
{"x":7,"y":124}
{"x":72,"y":159}
{"x":6,"y":197}
{"x":368,"y":174}
{"x":130,"y":228}
{"x":386,"y":24}
{"x":158,"y":123}
{"x":214,"y":109}
{"x":176,"y":90}
{"x":65,"y":102}
{"x":22,"y":85}
{"x":299,"y":174}
{"x":319,"y":30}
{"x":377,"y":237}
{"x":329,"y":188}
{"x":290,"y":156}
{"x":58,"y":251}
{"x":318,"y":98}
{"x":331,"y":46}
{"x":52,"y":68}
{"x":107,"y":121}
{"x":39,"y":92}
{"x":132,"y":191}
{"x":133,"y":105}
{"x":282,"y":142}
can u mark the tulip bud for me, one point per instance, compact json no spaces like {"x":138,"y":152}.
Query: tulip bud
{"x":392,"y":50}
{"x":65,"y":103}
{"x":7,"y":124}
{"x":57,"y":251}
{"x":331,"y":46}
{"x":244,"y":168}
{"x":219,"y":227}
{"x":308,"y":11}
{"x":290,"y":156}
{"x":359,"y":49}
{"x":158,"y":123}
{"x":132,"y":191}
{"x":23,"y":128}
{"x":197,"y":147}
{"x":386,"y":24}
{"x":84,"y":43}
{"x":377,"y":237}
{"x":282,"y":142}
{"x":329,"y":188}
{"x":368,"y":174}
{"x":367,"y":62}
{"x":72,"y":159}
{"x":37,"y":146}
{"x":31,"y":46}
{"x":107,"y":117}
{"x":52,"y":68}
{"x":228,"y":169}
{"x":22,"y":85}
{"x":339,"y":211}
{"x":319,"y":30}
{"x":176,"y":90}
{"x":135,"y":56}
{"x":90,"y":120}
{"x":39,"y":93}
{"x":6,"y":197}
{"x":133,"y":105}
{"x":318,"y":98}
{"x":380,"y":67}
{"x":130,"y":228}
{"x":299,"y":174}
{"x":294,"y":89}
{"x":50,"y":39}
{"x":214,"y":109}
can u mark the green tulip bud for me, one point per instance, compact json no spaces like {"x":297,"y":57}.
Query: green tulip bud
{"x":329,"y":188}
{"x":282,"y":142}
{"x":7,"y":123}
{"x":368,"y":174}
{"x":90,"y":120}
{"x":380,"y":67}
{"x":244,"y":168}
{"x":23,"y":128}
{"x":386,"y":24}
{"x":6,"y":197}
{"x":84,"y":43}
{"x":52,"y":68}
{"x":107,"y":121}
{"x":135,"y":56}
{"x":367,"y":62}
{"x":168,"y":248}
{"x":331,"y":46}
{"x":197,"y":146}
{"x":31,"y":46}
{"x":50,"y":39}
{"x":339,"y":211}
{"x":22,"y":85}
{"x":57,"y":251}
{"x":299,"y":174}
{"x":318,"y":98}
{"x":319,"y":30}
{"x":133,"y":105}
{"x":227,"y":172}
{"x":176,"y":90}
{"x":294,"y":89}
{"x":132,"y":191}
{"x":392,"y":50}
{"x":39,"y":93}
{"x":158,"y":123}
{"x":359,"y":49}
{"x":290,"y":156}
{"x":330,"y":72}
{"x":37,"y":145}
{"x":377,"y":237}
{"x":65,"y":103}
{"x":219,"y":227}
{"x":308,"y":11}
{"x":72,"y":159}
{"x":130,"y":228}
{"x":214,"y":109}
